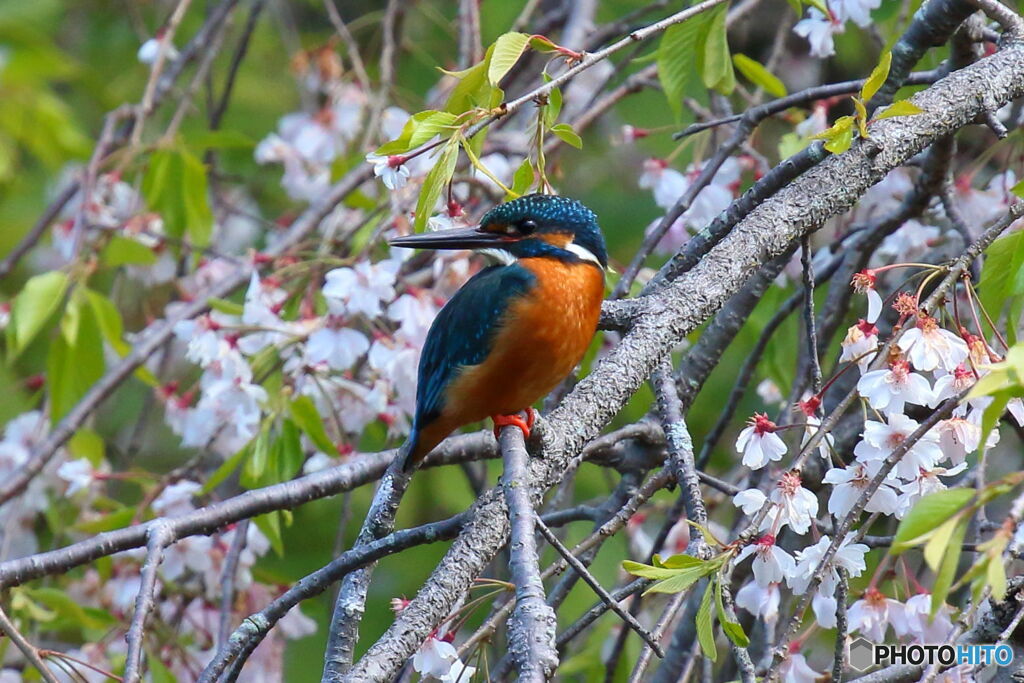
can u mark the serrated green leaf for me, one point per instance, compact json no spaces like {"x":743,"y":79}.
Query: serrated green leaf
{"x":433,"y":185}
{"x":947,"y":570}
{"x":566,"y":134}
{"x":901,"y":108}
{"x":1004,"y":263}
{"x":716,"y":67}
{"x":877,"y":77}
{"x":75,"y":359}
{"x":646,"y":571}
{"x":307,"y":418}
{"x":678,"y":561}
{"x":839,"y":137}
{"x":419,"y":129}
{"x":677,"y":59}
{"x":39,"y":299}
{"x":756,"y":73}
{"x":935,"y":546}
{"x":927,"y":515}
{"x":508,"y":48}
{"x":473,"y":89}
{"x":705,"y":630}
{"x":680,"y":580}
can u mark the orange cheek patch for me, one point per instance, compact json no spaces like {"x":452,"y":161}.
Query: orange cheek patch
{"x":560,"y":240}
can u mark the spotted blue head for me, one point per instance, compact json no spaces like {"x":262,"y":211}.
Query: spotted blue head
{"x":536,"y":225}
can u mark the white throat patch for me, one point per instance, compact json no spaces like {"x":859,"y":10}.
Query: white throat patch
{"x":502,"y":256}
{"x":583,"y":253}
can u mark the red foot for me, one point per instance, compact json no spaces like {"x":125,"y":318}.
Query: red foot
{"x":505,"y":420}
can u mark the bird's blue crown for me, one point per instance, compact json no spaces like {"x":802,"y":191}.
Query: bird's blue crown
{"x":536,"y":215}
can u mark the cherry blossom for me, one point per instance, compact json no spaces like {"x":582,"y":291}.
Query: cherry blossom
{"x":819,"y":30}
{"x":760,"y":601}
{"x":872,"y":615}
{"x":889,"y":390}
{"x":881,"y":438}
{"x":795,"y":669}
{"x":927,"y":481}
{"x":917,"y":621}
{"x":362,"y":288}
{"x":438,"y":659}
{"x":865,"y":282}
{"x":337,"y":346}
{"x":860,"y":341}
{"x":759,"y":443}
{"x":771,"y":564}
{"x":150,"y":49}
{"x":797,"y":506}
{"x":391,"y":170}
{"x":79,"y":475}
{"x":930,"y":346}
{"x":848,"y":483}
{"x":952,"y":383}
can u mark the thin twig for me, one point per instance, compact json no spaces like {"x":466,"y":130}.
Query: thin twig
{"x":28,"y":649}
{"x":160,"y":535}
{"x":585,"y":574}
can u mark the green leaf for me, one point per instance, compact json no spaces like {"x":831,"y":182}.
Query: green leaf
{"x":118,"y":519}
{"x":647,"y":571}
{"x":112,"y":329}
{"x":678,"y":561}
{"x":861,"y":116}
{"x":122,"y":251}
{"x":219,"y":139}
{"x":877,"y":77}
{"x":523,"y":178}
{"x":75,"y":360}
{"x":716,"y":66}
{"x":731,"y":629}
{"x":995,"y":574}
{"x":474,"y":90}
{"x":32,"y":308}
{"x":306,"y":417}
{"x":290,"y":455}
{"x":175,"y":186}
{"x":928,"y":514}
{"x":944,"y":576}
{"x":818,"y":5}
{"x":901,"y":108}
{"x":839,"y":137}
{"x":226,"y":469}
{"x":705,"y":632}
{"x":68,"y":611}
{"x":225,"y":306}
{"x":566,"y":134}
{"x":1004,"y":263}
{"x":433,"y":185}
{"x":1018,"y":189}
{"x":755,"y":72}
{"x":87,"y":444}
{"x":508,"y":48}
{"x":256,"y":464}
{"x":553,"y":108}
{"x":935,"y":546}
{"x":419,"y":129}
{"x":681,"y":580}
{"x":677,"y":59}
{"x":270,"y":525}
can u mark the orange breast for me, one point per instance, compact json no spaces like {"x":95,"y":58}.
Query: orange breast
{"x":543,"y":337}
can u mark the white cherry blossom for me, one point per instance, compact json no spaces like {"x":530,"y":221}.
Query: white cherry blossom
{"x":859,"y":344}
{"x":797,"y":506}
{"x":759,"y":443}
{"x":930,"y":346}
{"x":361,"y":288}
{"x":872,"y":615}
{"x":865,"y":282}
{"x":927,"y":481}
{"x":890,"y":389}
{"x":881,"y":438}
{"x":760,"y":601}
{"x":795,"y":669}
{"x":392,"y":170}
{"x":848,"y":483}
{"x":337,"y":346}
{"x":819,"y":31}
{"x":771,"y":564}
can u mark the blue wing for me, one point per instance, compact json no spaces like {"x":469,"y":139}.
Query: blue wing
{"x":462,"y":334}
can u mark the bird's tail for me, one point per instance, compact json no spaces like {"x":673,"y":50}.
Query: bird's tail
{"x":420,"y":442}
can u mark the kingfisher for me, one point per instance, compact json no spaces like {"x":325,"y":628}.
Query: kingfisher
{"x":514,"y":330}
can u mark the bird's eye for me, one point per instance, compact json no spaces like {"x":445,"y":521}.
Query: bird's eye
{"x":527,"y":227}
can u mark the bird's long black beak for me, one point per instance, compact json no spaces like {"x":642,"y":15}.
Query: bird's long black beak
{"x":460,"y":238}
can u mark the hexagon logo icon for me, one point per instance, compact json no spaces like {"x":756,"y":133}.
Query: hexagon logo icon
{"x":861,"y":654}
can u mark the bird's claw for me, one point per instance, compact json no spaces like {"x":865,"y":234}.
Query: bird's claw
{"x":526,"y":426}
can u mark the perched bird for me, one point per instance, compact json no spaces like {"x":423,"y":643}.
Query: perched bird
{"x":513,"y":331}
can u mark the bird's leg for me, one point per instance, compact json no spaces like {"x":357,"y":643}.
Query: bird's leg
{"x":504,"y":420}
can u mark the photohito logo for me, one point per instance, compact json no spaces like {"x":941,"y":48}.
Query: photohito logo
{"x":864,"y":654}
